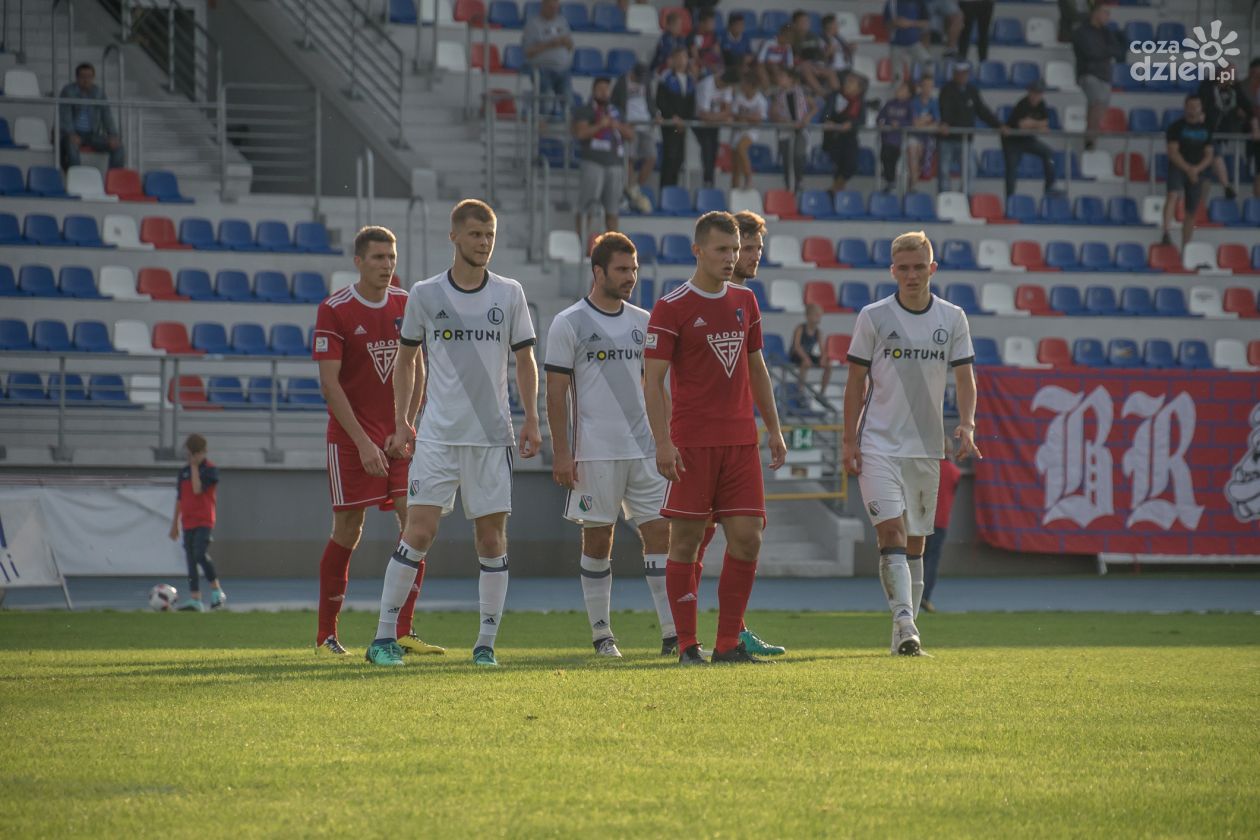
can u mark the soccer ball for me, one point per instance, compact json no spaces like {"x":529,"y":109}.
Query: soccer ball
{"x":162,"y":597}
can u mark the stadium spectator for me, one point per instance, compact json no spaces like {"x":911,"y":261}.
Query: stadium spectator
{"x":1226,"y":110}
{"x":83,"y":125}
{"x":921,"y":148}
{"x":634,"y":97}
{"x":671,"y":39}
{"x":1096,"y":48}
{"x":1029,"y":114}
{"x":950,"y":474}
{"x":706,"y":52}
{"x":676,"y":105}
{"x":601,"y":134}
{"x":977,"y":14}
{"x":960,"y":105}
{"x":948,"y":20}
{"x":713,"y":108}
{"x":548,"y":45}
{"x":699,"y":7}
{"x":806,"y":351}
{"x":908,"y":20}
{"x":777,"y":50}
{"x":809,"y":52}
{"x":1251,"y":89}
{"x":749,"y":108}
{"x":1190,"y":153}
{"x":196,"y":498}
{"x":846,"y":113}
{"x":1069,"y":17}
{"x":837,"y":53}
{"x":896,"y":115}
{"x":791,"y":104}
{"x":736,"y":44}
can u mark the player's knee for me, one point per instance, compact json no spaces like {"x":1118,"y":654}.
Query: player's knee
{"x":891,"y":533}
{"x":655,"y":536}
{"x":347,"y":528}
{"x":744,"y":546}
{"x":597,"y":542}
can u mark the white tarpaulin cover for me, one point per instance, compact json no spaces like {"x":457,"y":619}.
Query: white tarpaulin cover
{"x":25,"y":558}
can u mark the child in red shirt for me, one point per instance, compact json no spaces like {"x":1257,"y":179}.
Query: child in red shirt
{"x":195,"y":499}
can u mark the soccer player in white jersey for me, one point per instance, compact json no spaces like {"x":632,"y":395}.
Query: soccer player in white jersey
{"x":470,"y":321}
{"x":594,"y":367}
{"x":894,"y":429}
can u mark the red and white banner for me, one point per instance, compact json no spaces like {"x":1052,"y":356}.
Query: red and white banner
{"x":1081,"y":461}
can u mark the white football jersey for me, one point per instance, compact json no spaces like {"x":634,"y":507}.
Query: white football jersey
{"x":604,"y":354}
{"x":910,"y":354}
{"x":468,"y":337}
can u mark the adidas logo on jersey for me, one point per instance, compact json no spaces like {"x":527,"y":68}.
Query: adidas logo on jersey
{"x":441,"y":315}
{"x":700,"y":322}
{"x":359,"y":330}
{"x":594,"y":337}
{"x":892,"y":336}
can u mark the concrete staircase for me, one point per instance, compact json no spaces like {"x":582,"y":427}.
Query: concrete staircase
{"x":802,"y":539}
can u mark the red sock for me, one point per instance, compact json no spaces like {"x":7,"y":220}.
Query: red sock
{"x":409,"y":606}
{"x":734,"y":587}
{"x":680,"y":585}
{"x":709,"y":531}
{"x":334,"y":570}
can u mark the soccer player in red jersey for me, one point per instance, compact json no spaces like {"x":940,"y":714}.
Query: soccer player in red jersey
{"x":706,"y":336}
{"x":356,"y":343}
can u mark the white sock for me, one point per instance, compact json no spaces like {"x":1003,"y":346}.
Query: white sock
{"x":597,"y":592}
{"x":400,"y":575}
{"x":654,"y":569}
{"x":894,"y":573}
{"x":491,"y":592}
{"x":915,"y":562}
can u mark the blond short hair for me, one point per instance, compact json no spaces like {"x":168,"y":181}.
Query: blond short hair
{"x":912,"y":241}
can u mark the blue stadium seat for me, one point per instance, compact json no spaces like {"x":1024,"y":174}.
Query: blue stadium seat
{"x":309,"y":287}
{"x":312,"y":238}
{"x":645,"y":293}
{"x":211,"y":338}
{"x":235,"y":234}
{"x":709,"y":199}
{"x":108,"y":389}
{"x":919,"y":207}
{"x":92,"y":337}
{"x":551,"y":150}
{"x":992,"y":74}
{"x":1169,"y":116}
{"x":1170,"y":30}
{"x":199,"y":233}
{"x":762,"y":159}
{"x":963,"y":295}
{"x":607,"y":17}
{"x":671,"y":285}
{"x":25,"y":389}
{"x":1131,"y":257}
{"x":1170,"y":302}
{"x":75,"y":281}
{"x":1055,"y":210}
{"x":620,"y":62}
{"x":46,"y":181}
{"x":1250,"y":216}
{"x":11,"y":181}
{"x":8,"y":283}
{"x":51,"y":336}
{"x":1136,"y":300}
{"x":273,"y":235}
{"x":303,"y":393}
{"x":1096,"y":256}
{"x":1008,"y":32}
{"x":164,"y":186}
{"x":1122,"y":78}
{"x":1143,"y":120}
{"x":817,"y":203}
{"x":1067,"y":300}
{"x":957,"y":255}
{"x":287,"y":340}
{"x":1023,"y":74}
{"x":854,"y":295}
{"x":587,"y":61}
{"x":763,"y":300}
{"x":866,"y":161}
{"x":37,"y":281}
{"x":885,"y":289}
{"x":14,"y":335}
{"x":1123,"y":210}
{"x":42,"y":229}
{"x":884,"y":206}
{"x":194,"y":284}
{"x":818,"y":162}
{"x":849,"y":205}
{"x":1158,"y":353}
{"x":881,"y":252}
{"x":513,"y":58}
{"x":645,"y":244}
{"x":74,"y":391}
{"x":1224,"y":211}
{"x":675,"y":201}
{"x":1101,"y":300}
{"x":1194,"y":353}
{"x":675,"y":250}
{"x":1021,"y":208}
{"x":577,"y":15}
{"x":1161,"y":167}
{"x":259,"y":391}
{"x":6,"y":137}
{"x":772,"y":21}
{"x":10,"y":232}
{"x":402,"y":11}
{"x":232,"y":285}
{"x":1138,"y":30}
{"x":249,"y":340}
{"x":987,"y":352}
{"x":1088,"y":352}
{"x":226,"y":391}
{"x":990,"y":164}
{"x":1061,"y":255}
{"x":505,"y":14}
{"x":1123,"y":353}
{"x":774,"y":350}
{"x":854,"y":253}
{"x":271,"y":287}
{"x":83,"y":232}
{"x":1090,"y":210}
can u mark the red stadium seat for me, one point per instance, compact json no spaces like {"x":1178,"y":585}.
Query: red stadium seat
{"x":1115,"y":120}
{"x":782,"y":203}
{"x":172,"y":337}
{"x":1253,"y":352}
{"x":190,"y":393}
{"x":822,"y":293}
{"x":504,"y":103}
{"x":471,"y":12}
{"x":724,"y":158}
{"x":873,"y":24}
{"x":836,"y":347}
{"x":1028,"y":254}
{"x":989,"y":207}
{"x":1166,"y":258}
{"x":883,"y":71}
{"x":476,"y":58}
{"x":1054,"y":351}
{"x":1241,"y":302}
{"x":678,"y":10}
{"x":1200,"y":215}
{"x":125,"y":183}
{"x":1136,"y":164}
{"x":1033,"y":300}
{"x":157,"y":284}
{"x":819,"y":250}
{"x":159,"y":232}
{"x":1235,"y":258}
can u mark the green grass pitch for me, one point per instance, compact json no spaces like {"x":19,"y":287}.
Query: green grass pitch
{"x":1020,"y":725}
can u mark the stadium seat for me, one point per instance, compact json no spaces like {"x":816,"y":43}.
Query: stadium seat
{"x":995,"y":255}
{"x":884,"y":290}
{"x":1200,"y":256}
{"x":963,"y":295}
{"x":782,"y":203}
{"x":884,"y":206}
{"x":1131,"y":258}
{"x":73,"y":391}
{"x":1170,"y":302}
{"x":820,"y":251}
{"x":1114,"y":120}
{"x":785,"y":250}
{"x":92,"y":337}
{"x":232,"y":285}
{"x":1027,"y":255}
{"x":82,"y":231}
{"x":991,"y":75}
{"x":1101,"y":300}
{"x":986,"y":351}
{"x":476,"y":58}
{"x":1007,"y":32}
{"x":1060,"y":75}
{"x":25,"y":389}
{"x":1096,"y":256}
{"x":1165,"y":258}
{"x":773,"y":349}
{"x":271,"y":287}
{"x":194,"y":284}
{"x":1098,"y":165}
{"x":513,"y":58}
{"x":287,"y":340}
{"x":76,"y":281}
{"x":645,"y":244}
{"x":1123,"y":210}
{"x":19,"y":81}
{"x":1023,"y":74}
{"x":587,"y":61}
{"x":199,"y":234}
{"x":85,"y":182}
{"x":235,"y":234}
{"x":125,"y":185}
{"x":120,"y":231}
{"x":14,"y":335}
{"x":108,"y":389}
{"x":273,"y":235}
{"x":822,"y":293}
{"x":159,"y":232}
{"x":133,"y":337}
{"x":674,"y":201}
{"x":562,"y":246}
{"x":1142,"y":120}
{"x":786,"y":296}
{"x":1021,"y":209}
{"x":249,"y":340}
{"x":211,"y":337}
{"x":451,"y":57}
{"x":51,"y":336}
{"x":854,"y":295}
{"x":45,"y":181}
{"x":157,"y":284}
{"x":854,"y":253}
{"x":261,"y":391}
{"x":1061,"y":256}
{"x":1233,"y":257}
{"x":1089,"y":210}
{"x":675,"y":250}
{"x":836,"y":347}
{"x":709,"y":199}
{"x":33,"y":133}
{"x":1193,"y":353}
{"x":6,"y":138}
{"x":8,"y":283}
{"x":849,"y":205}
{"x":1054,"y":352}
{"x":37,"y":281}
{"x":1241,"y":302}
{"x":41,"y":229}
{"x":1123,"y":353}
{"x":309,"y":287}
{"x":999,"y":298}
{"x":471,"y":12}
{"x":1136,"y":300}
{"x":1020,"y":351}
{"x":188,"y":392}
{"x":164,"y":186}
{"x":881,"y":252}
{"x":990,"y":164}
{"x":954,"y":207}
{"x":746,"y":200}
{"x":1033,"y":300}
{"x":1230,"y":354}
{"x":642,"y":19}
{"x":1253,"y":352}
{"x":620,"y":62}
{"x":817,"y":204}
{"x":304,"y":393}
{"x":759,"y":292}
{"x":608,"y":17}
{"x":1251,"y":210}
{"x":145,"y":390}
{"x":577,"y":15}
{"x":671,"y":285}
{"x":1205,"y":302}
{"x":1224,"y":211}
{"x":11,"y":183}
{"x":918,"y":207}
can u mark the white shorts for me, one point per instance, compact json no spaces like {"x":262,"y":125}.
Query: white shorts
{"x":482,"y":474}
{"x":892,"y":486}
{"x":629,"y":486}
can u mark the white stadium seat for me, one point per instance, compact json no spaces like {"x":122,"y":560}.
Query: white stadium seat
{"x":1041,"y":32}
{"x":1074,"y":118}
{"x":864,"y":65}
{"x":1230,"y":354}
{"x":850,"y":29}
{"x":121,"y":231}
{"x":1021,"y":352}
{"x":451,"y":57}
{"x":644,"y":19}
{"x":87,"y":184}
{"x":1206,"y":301}
{"x":1201,"y":257}
{"x":564,"y":246}
{"x":341,"y":279}
{"x":33,"y":133}
{"x":1099,"y":165}
{"x":954,"y":207}
{"x":119,"y":283}
{"x":1061,"y":75}
{"x":1153,"y":210}
{"x":133,"y":337}
{"x":746,"y":200}
{"x":999,"y":298}
{"x":786,"y":295}
{"x":786,"y":250}
{"x":424,"y":12}
{"x":995,"y":255}
{"x":18,"y":81}
{"x":145,"y":389}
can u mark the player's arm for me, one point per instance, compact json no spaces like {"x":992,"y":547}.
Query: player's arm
{"x":854,"y":396}
{"x":559,"y":414}
{"x":417,"y":390}
{"x":763,"y":396}
{"x":411,"y":374}
{"x":527,"y":386}
{"x":668,"y":461}
{"x":370,"y":454}
{"x":965,"y":387}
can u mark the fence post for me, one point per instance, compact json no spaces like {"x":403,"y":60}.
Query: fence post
{"x":319,"y":150}
{"x":170,"y":45}
{"x":273,"y":455}
{"x":60,"y":452}
{"x":223,"y":141}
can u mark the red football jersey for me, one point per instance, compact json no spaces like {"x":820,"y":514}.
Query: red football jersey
{"x":197,"y":510}
{"x":364,"y":336}
{"x":707,"y":338}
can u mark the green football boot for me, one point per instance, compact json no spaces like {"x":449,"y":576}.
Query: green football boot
{"x":384,"y":652}
{"x":755,"y":645}
{"x":485,"y":656}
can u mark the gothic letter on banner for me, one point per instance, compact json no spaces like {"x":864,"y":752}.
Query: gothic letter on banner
{"x":1077,"y":471}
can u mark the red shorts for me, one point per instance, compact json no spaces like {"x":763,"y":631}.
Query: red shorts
{"x":352,"y":488}
{"x":717,"y":481}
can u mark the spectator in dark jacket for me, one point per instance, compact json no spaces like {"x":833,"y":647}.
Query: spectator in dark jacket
{"x":1096,"y":47}
{"x":636,"y":100}
{"x":87,"y":125}
{"x":846,"y":113}
{"x":960,"y":106}
{"x":1029,"y":114}
{"x":1227,"y":110}
{"x":670,"y":40}
{"x":676,"y":102}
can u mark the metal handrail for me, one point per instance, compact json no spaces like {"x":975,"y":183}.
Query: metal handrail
{"x":20,"y":53}
{"x":205,"y":51}
{"x":280,"y":122}
{"x":424,"y":236}
{"x":52,"y":41}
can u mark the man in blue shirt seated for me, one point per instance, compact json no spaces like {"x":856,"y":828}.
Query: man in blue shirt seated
{"x":84,"y":125}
